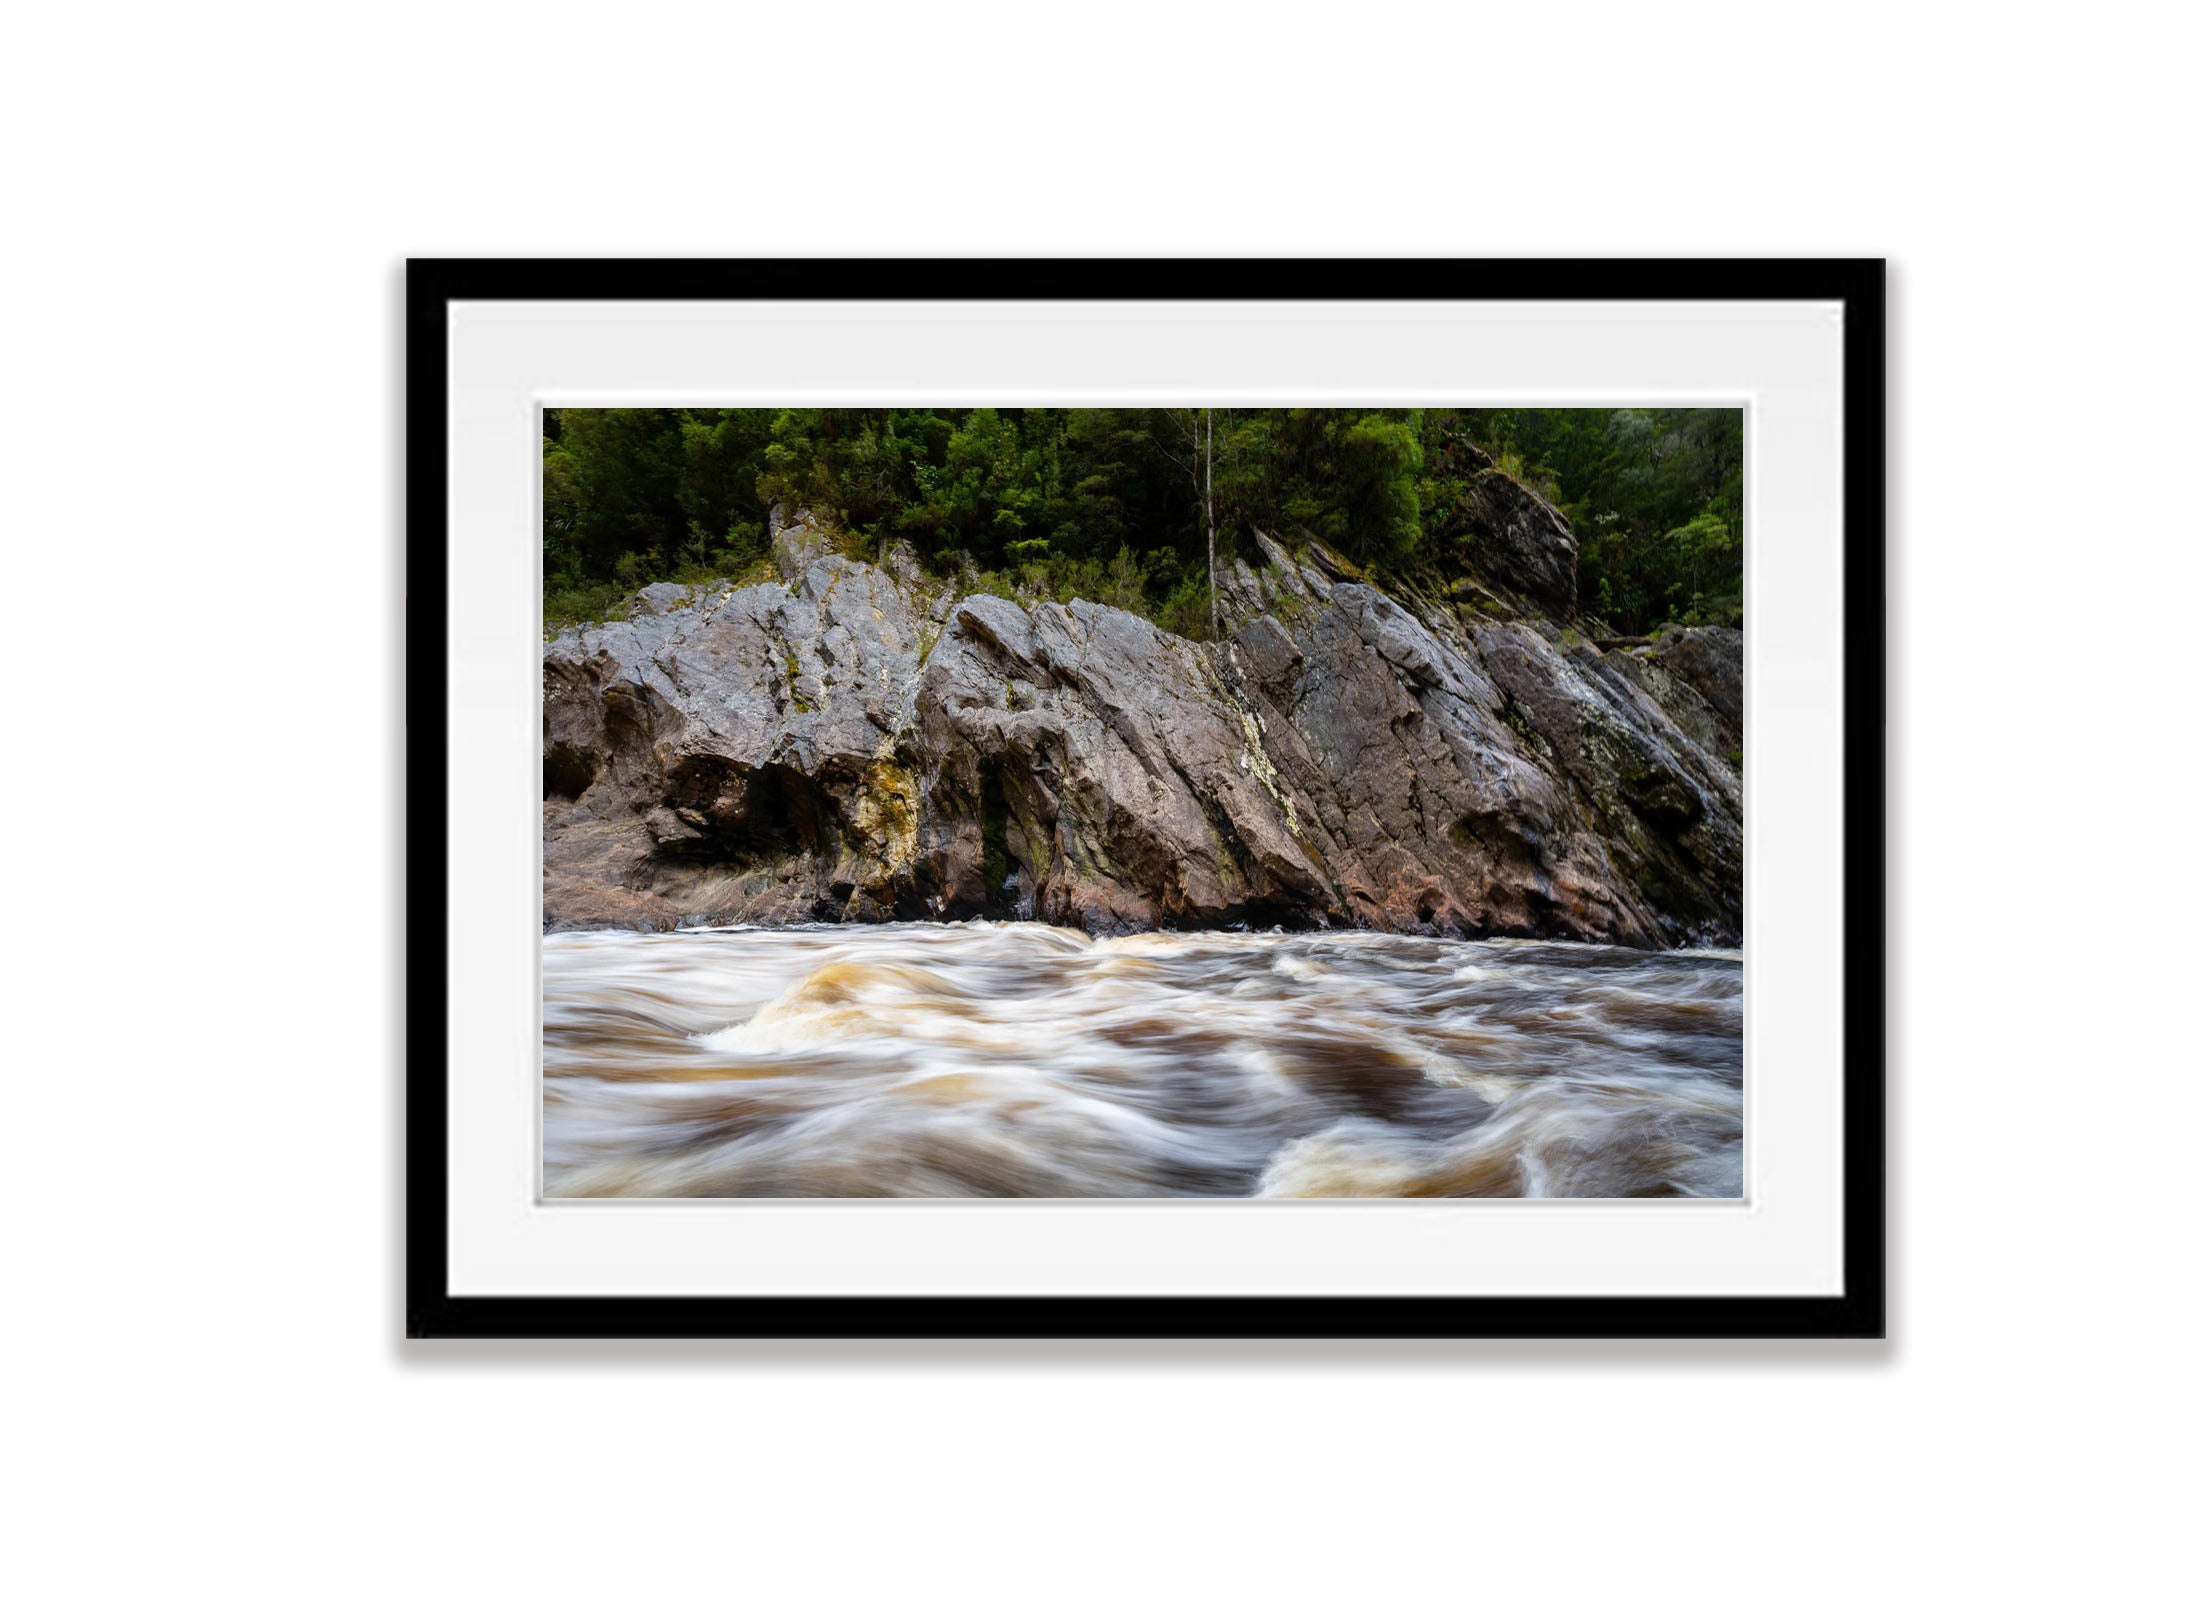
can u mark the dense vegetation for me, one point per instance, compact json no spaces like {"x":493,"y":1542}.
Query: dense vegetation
{"x":1117,"y":505}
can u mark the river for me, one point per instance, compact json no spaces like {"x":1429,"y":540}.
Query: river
{"x":1016,"y":1059}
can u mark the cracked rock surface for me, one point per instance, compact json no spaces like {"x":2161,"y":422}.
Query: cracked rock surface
{"x":853,"y":743}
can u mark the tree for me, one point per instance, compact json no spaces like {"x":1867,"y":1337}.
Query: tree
{"x":1051,"y":499}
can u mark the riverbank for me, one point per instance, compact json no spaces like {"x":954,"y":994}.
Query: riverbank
{"x":851,"y":743}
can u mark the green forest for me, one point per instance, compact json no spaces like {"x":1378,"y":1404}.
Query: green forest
{"x":1116,"y":505}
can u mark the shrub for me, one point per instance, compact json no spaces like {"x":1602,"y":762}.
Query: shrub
{"x":1188,"y":612}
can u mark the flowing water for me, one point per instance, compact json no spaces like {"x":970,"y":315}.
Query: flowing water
{"x":1020,"y":1059}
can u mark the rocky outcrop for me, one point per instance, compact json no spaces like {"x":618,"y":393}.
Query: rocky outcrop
{"x":1708,"y":662}
{"x":1521,"y":543}
{"x":854,"y":743}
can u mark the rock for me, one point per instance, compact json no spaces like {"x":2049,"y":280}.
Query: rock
{"x":845,"y":744}
{"x":659,"y":598}
{"x":798,"y":541}
{"x":1089,"y":769}
{"x":1709,"y":662}
{"x":1515,"y":538}
{"x":902,"y":566}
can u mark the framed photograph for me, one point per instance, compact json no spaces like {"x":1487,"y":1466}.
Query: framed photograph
{"x":1145,"y":798}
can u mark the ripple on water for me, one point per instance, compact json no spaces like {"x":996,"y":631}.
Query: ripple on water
{"x":939,"y":1060}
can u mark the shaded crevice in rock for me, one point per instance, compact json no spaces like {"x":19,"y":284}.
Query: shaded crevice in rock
{"x":568,"y":770}
{"x":717,"y":809}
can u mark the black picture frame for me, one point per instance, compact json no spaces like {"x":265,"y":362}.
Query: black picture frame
{"x":432,"y":1311}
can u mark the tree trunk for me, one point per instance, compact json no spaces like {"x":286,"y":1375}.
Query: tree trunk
{"x":1214,"y":603}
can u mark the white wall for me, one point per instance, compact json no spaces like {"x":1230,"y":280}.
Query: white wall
{"x":208,"y":208}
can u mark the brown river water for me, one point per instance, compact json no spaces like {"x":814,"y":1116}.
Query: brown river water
{"x":1016,"y":1059}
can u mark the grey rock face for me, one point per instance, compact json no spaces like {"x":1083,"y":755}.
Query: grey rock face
{"x":797,"y":541}
{"x":1708,"y":663}
{"x":848,"y":744}
{"x":659,"y":598}
{"x":1522,"y":543}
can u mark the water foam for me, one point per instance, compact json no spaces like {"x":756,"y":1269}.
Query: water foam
{"x":1020,"y":1059}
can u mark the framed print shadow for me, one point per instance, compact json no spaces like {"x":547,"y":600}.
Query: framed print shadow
{"x":1145,"y":798}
